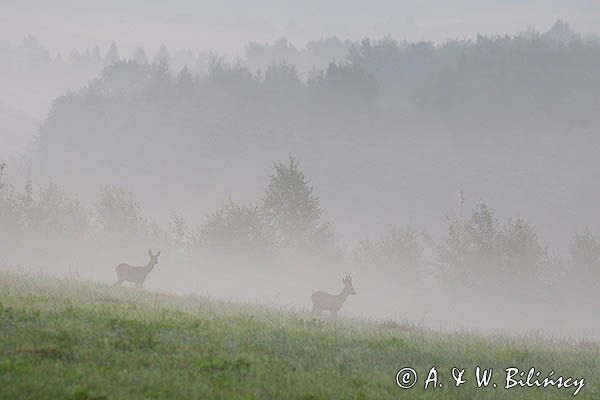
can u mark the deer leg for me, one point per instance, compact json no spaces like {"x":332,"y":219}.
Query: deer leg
{"x":117,"y":283}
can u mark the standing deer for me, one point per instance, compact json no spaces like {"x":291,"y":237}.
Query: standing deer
{"x":331,"y":302}
{"x":137,"y":275}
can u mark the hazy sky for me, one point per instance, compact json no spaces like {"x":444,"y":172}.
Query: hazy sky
{"x":228,"y":25}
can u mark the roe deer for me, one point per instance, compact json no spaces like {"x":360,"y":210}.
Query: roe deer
{"x":331,"y":302}
{"x":137,"y":275}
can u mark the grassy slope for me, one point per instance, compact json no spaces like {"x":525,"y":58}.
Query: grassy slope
{"x":82,"y":341}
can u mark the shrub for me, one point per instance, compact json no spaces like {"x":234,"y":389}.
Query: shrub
{"x":398,"y":252}
{"x":585,"y":257}
{"x":481,"y":251}
{"x":235,"y":226}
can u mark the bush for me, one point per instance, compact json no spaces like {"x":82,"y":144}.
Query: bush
{"x":40,"y":227}
{"x":399,"y":252}
{"x":585,"y":257}
{"x":236,"y":227}
{"x":481,"y":251}
{"x":522,"y":251}
{"x":118,"y":213}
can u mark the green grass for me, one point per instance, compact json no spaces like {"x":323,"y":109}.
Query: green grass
{"x":72,"y":340}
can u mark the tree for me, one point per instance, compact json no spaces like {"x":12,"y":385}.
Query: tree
{"x":119,"y":213}
{"x":472,"y":243}
{"x":561,"y":32}
{"x":75,"y":57}
{"x":482,"y":251}
{"x":185,"y":83}
{"x":59,"y":61}
{"x":522,"y":251}
{"x":112,"y":55}
{"x":36,"y":54}
{"x":125,"y":76}
{"x":343,"y":92}
{"x":139,"y":56}
{"x":281,"y":76}
{"x":163,"y":57}
{"x":96,"y":56}
{"x":290,"y":208}
{"x":350,"y":80}
{"x":235,"y":226}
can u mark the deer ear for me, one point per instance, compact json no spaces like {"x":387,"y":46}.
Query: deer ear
{"x":150,"y":253}
{"x":158,"y":254}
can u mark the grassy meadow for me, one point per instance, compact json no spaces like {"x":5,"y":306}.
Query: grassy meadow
{"x":63,"y":339}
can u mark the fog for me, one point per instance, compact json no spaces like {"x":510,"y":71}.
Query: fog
{"x":228,"y":25}
{"x":443,"y":153}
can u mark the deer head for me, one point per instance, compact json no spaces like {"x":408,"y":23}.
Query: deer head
{"x":153,"y":258}
{"x":347,"y":281}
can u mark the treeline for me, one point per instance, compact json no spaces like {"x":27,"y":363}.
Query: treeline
{"x":542,"y":81}
{"x":43,"y":227}
{"x":31,"y":53}
{"x":506,"y":89}
{"x":480,"y":255}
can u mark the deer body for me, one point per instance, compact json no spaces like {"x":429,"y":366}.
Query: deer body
{"x":330,"y":302}
{"x":137,"y":275}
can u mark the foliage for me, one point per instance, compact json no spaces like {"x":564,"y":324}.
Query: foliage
{"x":502,"y":78}
{"x":290,"y":208}
{"x":234,"y":226}
{"x":44,"y":228}
{"x":523,"y":253}
{"x":347,"y":80}
{"x":46,"y":220}
{"x":125,"y":77}
{"x":118,"y":212}
{"x":479,"y":250}
{"x":399,"y":252}
{"x":585,"y":257}
{"x":482,"y":251}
